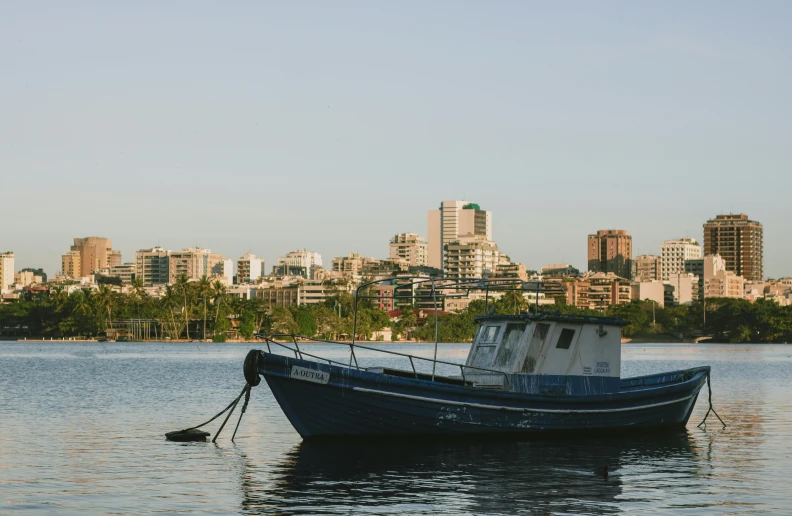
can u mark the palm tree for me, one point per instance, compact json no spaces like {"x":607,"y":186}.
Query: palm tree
{"x":183,"y":284}
{"x":205,"y":290}
{"x":169,"y":302}
{"x":514,"y":301}
{"x":219,"y":291}
{"x":138,"y":292}
{"x":104,"y":301}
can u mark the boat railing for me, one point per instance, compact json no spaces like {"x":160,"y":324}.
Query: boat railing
{"x":485,"y":284}
{"x":270,"y":339}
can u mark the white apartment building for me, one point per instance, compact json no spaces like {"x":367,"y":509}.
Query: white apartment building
{"x":453,"y":220}
{"x":299,"y":263}
{"x":410,"y":248}
{"x":6,"y":270}
{"x":152,"y":266}
{"x":674,"y":253}
{"x":470,"y":257}
{"x":249,"y":268}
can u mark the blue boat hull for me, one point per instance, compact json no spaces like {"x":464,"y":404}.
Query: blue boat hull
{"x":340,"y":401}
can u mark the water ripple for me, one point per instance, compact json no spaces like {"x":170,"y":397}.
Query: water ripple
{"x":81,"y":431}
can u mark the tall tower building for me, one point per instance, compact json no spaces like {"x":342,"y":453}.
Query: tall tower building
{"x":674,"y":254}
{"x":739,"y":242}
{"x":95,"y":253}
{"x":6,"y":270}
{"x":453,"y":220}
{"x":610,"y":250}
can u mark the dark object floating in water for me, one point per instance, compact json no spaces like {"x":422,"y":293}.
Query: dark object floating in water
{"x":190,"y":435}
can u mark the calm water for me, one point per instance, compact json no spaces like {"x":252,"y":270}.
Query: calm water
{"x":81,"y":431}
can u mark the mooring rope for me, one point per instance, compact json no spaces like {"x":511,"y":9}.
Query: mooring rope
{"x":711,"y":408}
{"x":230,"y":405}
{"x":244,"y":408}
{"x":233,"y":407}
{"x":252,"y":377}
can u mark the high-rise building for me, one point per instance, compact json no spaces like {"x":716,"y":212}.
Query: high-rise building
{"x":453,"y":220}
{"x":470,"y":257}
{"x":249,"y":268}
{"x":152,"y":266}
{"x":96,"y":253}
{"x":299,"y":263}
{"x":410,"y":248}
{"x":739,"y":242}
{"x":674,"y":254}
{"x":71,"y":265}
{"x":196,"y":262}
{"x":610,"y":250}
{"x":646,"y":267}
{"x":6,"y":270}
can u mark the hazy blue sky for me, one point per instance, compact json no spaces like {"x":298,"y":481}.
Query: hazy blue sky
{"x":332,"y":126}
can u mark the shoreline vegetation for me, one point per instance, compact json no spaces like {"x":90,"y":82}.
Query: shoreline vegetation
{"x":200,"y":311}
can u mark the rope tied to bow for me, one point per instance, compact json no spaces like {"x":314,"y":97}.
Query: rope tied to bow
{"x":711,"y":408}
{"x":250,"y":369}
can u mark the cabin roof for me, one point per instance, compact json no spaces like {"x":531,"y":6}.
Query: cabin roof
{"x":556,"y":317}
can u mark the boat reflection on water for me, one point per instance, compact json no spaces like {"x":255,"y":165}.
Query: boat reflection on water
{"x":485,"y":475}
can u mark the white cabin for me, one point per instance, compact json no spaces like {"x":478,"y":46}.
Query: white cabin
{"x":548,"y":352}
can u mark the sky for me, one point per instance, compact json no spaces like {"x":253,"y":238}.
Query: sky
{"x":332,"y":126}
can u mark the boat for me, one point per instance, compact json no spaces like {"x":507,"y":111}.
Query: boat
{"x":533,"y":372}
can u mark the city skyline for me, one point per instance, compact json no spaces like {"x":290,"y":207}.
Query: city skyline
{"x":279,"y":131}
{"x":383,"y":254}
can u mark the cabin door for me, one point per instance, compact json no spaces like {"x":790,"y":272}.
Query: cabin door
{"x":535,"y":347}
{"x":486,"y":343}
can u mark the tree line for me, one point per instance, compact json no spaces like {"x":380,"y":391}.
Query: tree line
{"x":204,"y":310}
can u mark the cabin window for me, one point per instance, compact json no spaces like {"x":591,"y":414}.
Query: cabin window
{"x":535,"y":347}
{"x":511,"y":341}
{"x":490,"y":334}
{"x":565,"y":339}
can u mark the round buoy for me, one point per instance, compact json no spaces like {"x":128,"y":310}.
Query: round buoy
{"x":184,"y":436}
